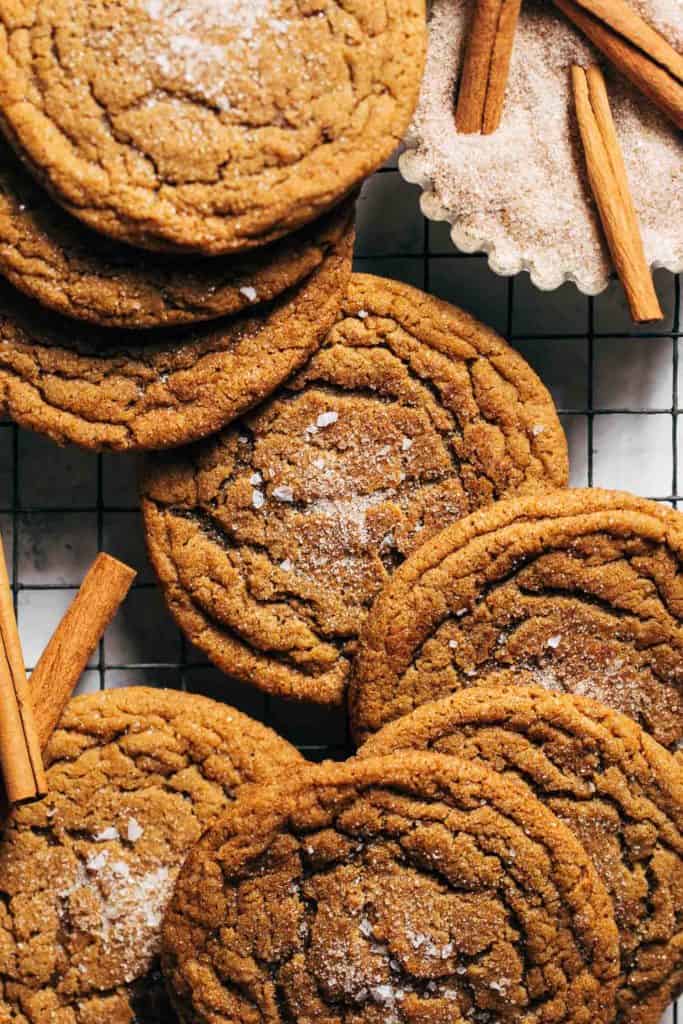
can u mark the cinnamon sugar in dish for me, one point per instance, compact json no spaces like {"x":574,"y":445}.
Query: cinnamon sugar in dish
{"x":521,"y":194}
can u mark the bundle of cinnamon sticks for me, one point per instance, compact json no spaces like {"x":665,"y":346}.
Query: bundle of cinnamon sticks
{"x":613,"y":26}
{"x":634,"y":47}
{"x":29,"y":712}
{"x":638,"y":51}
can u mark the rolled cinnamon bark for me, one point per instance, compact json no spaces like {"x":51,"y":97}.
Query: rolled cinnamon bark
{"x":61,"y":665}
{"x":609,"y":184}
{"x":22,"y":765}
{"x":635,"y":49}
{"x":486,"y":66}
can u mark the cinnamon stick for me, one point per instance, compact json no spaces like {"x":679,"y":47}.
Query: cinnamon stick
{"x":486,"y":65}
{"x":609,"y":183}
{"x":61,"y":665}
{"x":22,"y":765}
{"x":635,"y":48}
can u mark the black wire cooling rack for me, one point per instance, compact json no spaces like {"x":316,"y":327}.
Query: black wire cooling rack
{"x":616,"y":388}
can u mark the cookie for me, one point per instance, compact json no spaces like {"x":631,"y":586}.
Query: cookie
{"x":272,"y":539}
{"x":103,"y":388}
{"x":135,"y":776}
{"x":619,"y":792}
{"x":54,"y":259}
{"x":212,"y":127}
{"x":406,"y":889}
{"x":578,"y":590}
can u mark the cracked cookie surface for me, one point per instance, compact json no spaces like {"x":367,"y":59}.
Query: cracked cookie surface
{"x":213,"y":125}
{"x":579,"y":590}
{"x":113,"y":389}
{"x":135,"y":776}
{"x":55,"y":259}
{"x":619,"y":792}
{"x":272,"y":539}
{"x":416,"y":888}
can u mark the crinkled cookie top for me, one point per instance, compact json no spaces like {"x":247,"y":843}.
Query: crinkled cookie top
{"x":211,"y":125}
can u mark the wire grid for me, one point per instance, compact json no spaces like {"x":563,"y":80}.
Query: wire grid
{"x":616,"y":388}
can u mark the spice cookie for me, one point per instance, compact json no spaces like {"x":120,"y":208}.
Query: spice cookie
{"x":135,"y":776}
{"x":272,"y":539}
{"x":577,"y":590}
{"x":55,"y":259}
{"x":215,"y":126}
{"x":619,"y":792}
{"x":104,"y":388}
{"x":408,"y":889}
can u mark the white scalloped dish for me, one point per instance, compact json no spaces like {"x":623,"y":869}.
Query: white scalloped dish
{"x":521,"y":195}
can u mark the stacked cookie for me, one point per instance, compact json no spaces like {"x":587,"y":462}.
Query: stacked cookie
{"x":182,"y":201}
{"x":371,"y":509}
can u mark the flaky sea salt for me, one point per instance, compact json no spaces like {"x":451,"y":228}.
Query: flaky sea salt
{"x":128,"y":902}
{"x":326,"y":419}
{"x":406,"y":444}
{"x":134,"y":830}
{"x":387,"y":995}
{"x":249,"y":292}
{"x":257,"y":498}
{"x":283,"y":493}
{"x":427,"y":947}
{"x":186,"y":43}
{"x":97,"y":861}
{"x":521,"y":192}
{"x":107,"y":835}
{"x":553,"y":641}
{"x":286,"y":565}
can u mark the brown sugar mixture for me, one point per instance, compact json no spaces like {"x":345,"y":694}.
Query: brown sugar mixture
{"x":521,"y":194}
{"x":272,"y":540}
{"x":135,"y":776}
{"x":397,"y":890}
{"x":619,"y":792}
{"x":578,"y":591}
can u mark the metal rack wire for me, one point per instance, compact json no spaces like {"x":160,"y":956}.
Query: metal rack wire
{"x":394,"y":240}
{"x":424,"y":256}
